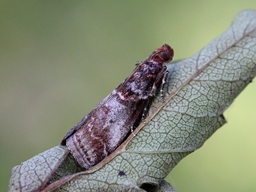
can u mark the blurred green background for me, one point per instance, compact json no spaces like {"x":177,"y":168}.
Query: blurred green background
{"x":59,"y":59}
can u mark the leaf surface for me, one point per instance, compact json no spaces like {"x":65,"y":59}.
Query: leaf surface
{"x":33,"y":174}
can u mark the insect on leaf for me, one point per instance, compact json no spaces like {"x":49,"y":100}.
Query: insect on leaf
{"x":198,"y":91}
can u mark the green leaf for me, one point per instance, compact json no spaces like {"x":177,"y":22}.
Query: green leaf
{"x":199,"y":90}
{"x":33,"y":174}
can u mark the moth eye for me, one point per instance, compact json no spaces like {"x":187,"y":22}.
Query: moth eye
{"x":165,"y":55}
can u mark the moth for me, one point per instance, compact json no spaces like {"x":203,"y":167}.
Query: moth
{"x":100,"y":132}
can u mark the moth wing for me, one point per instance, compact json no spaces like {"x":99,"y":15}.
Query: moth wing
{"x":86,"y":118}
{"x":109,"y":97}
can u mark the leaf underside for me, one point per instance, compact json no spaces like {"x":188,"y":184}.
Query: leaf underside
{"x":198,"y":91}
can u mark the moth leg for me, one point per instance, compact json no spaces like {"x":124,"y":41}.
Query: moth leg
{"x":161,"y":79}
{"x":145,"y":110}
{"x":153,"y":91}
{"x":132,"y":129}
{"x":162,"y":84}
{"x":144,"y":114}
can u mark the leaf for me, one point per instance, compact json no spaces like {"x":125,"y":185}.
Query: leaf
{"x":199,"y":90}
{"x":33,"y":174}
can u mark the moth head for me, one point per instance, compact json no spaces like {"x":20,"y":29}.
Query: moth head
{"x":165,"y":53}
